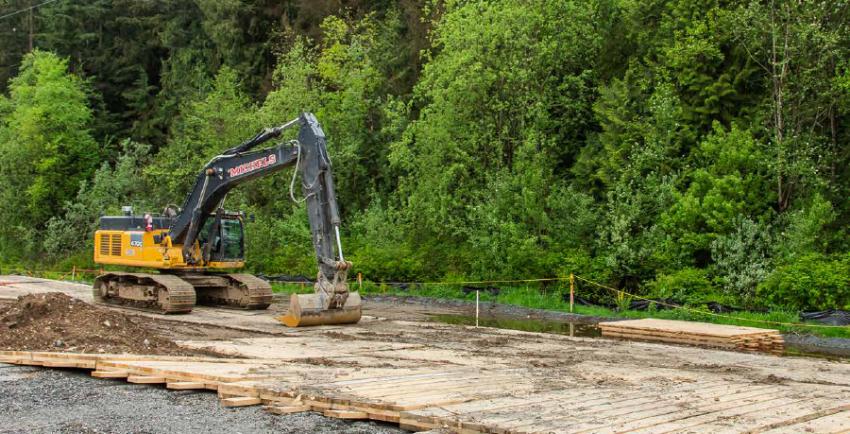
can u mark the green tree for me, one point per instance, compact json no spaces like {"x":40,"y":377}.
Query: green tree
{"x":504,"y":102}
{"x":223,"y":118}
{"x":46,"y":149}
{"x":110,"y":189}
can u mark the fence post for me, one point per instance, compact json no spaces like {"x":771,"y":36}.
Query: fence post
{"x":572,"y":291}
{"x":360,"y":282}
{"x":476,"y":308}
{"x":74,"y":273}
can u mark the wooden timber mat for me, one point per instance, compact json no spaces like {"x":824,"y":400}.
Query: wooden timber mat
{"x":475,"y":399}
{"x":696,"y":333}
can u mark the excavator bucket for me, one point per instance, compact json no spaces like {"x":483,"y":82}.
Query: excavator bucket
{"x":308,"y":310}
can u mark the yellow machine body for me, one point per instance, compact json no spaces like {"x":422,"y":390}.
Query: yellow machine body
{"x":137,"y":248}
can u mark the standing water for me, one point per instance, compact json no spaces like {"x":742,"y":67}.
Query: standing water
{"x":523,"y":324}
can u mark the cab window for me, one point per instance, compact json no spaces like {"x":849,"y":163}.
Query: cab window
{"x":232,"y":237}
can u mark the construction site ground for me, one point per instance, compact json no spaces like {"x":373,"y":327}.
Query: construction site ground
{"x":396,"y":366}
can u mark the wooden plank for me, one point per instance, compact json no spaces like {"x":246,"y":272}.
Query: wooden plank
{"x":670,"y":339}
{"x":346,"y":414}
{"x":110,"y":374}
{"x":762,"y":421}
{"x":145,"y":379}
{"x":185,"y":385}
{"x":69,"y":363}
{"x":685,"y":417}
{"x":675,"y":334}
{"x":636,"y":418}
{"x":431,"y":389}
{"x":242,"y":401}
{"x":483,"y":413}
{"x":546,"y":419}
{"x":829,"y":420}
{"x":695,"y":421}
{"x":694,"y":340}
{"x":689,"y":327}
{"x":221,"y":371}
{"x":238,"y":389}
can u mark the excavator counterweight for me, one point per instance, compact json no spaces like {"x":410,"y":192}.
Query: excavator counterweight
{"x":195,"y":247}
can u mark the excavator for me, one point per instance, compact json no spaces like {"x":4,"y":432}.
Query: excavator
{"x":195,"y":248}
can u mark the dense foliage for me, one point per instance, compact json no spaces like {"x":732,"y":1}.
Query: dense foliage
{"x":679,"y":148}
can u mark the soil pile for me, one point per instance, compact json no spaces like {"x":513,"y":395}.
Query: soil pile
{"x":57,"y":322}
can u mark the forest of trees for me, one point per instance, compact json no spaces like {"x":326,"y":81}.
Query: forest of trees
{"x":672,"y":147}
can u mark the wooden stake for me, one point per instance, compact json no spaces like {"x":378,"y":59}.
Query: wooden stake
{"x":74,"y":273}
{"x":572,"y":291}
{"x":476,"y":308}
{"x":360,"y":282}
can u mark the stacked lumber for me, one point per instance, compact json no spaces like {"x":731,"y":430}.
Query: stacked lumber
{"x":697,"y":333}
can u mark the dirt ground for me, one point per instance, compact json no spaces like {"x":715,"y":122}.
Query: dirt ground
{"x":58,"y":322}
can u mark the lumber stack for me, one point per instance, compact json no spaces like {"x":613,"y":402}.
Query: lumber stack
{"x":696,"y":333}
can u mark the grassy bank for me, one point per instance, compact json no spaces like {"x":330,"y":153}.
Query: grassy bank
{"x":535,"y":298}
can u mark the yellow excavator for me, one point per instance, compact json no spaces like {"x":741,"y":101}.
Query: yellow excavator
{"x":194,"y":247}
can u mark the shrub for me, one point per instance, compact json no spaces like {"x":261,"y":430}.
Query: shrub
{"x":688,"y":285}
{"x":742,"y":258}
{"x":810,"y":282}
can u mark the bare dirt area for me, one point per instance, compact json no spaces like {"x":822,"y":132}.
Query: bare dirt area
{"x":57,"y":322}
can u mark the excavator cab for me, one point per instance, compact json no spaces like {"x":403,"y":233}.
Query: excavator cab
{"x":228,"y":239}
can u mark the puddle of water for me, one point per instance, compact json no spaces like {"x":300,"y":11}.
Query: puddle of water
{"x":523,"y":324}
{"x":834,"y":355}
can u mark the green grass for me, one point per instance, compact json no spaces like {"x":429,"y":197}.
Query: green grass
{"x":533,"y":297}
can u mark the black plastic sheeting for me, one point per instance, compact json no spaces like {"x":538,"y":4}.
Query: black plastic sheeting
{"x":829,"y":317}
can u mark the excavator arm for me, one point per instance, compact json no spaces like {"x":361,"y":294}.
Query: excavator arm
{"x":332,"y":303}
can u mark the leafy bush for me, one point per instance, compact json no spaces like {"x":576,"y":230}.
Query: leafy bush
{"x":377,"y":247}
{"x":689,"y":285}
{"x":810,"y":282}
{"x":280,"y":244}
{"x":742,"y":258}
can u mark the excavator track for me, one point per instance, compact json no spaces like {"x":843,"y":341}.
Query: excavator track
{"x":256,"y":291}
{"x":160,"y":293}
{"x":238,"y":291}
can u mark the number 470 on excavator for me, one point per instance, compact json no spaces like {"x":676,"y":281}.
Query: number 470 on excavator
{"x":192,"y":246}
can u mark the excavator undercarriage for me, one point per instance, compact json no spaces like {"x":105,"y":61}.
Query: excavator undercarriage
{"x":167,"y":293}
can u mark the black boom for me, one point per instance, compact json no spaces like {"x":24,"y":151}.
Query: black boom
{"x":241,"y":164}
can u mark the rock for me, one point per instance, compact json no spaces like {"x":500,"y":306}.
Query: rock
{"x":58,"y":343}
{"x":107,"y":323}
{"x":147,"y":343}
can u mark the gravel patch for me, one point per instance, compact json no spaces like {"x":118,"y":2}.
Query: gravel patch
{"x":37,"y":400}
